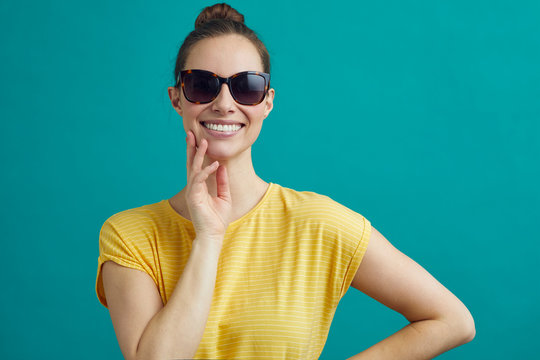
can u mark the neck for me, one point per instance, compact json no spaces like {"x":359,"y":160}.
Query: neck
{"x":245,"y":186}
{"x":243,"y":181}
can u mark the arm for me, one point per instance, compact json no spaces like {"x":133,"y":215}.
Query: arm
{"x":438,"y":320}
{"x":144,"y":327}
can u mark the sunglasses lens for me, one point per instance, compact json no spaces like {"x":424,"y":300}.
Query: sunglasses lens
{"x":248,"y":89}
{"x":200,"y":87}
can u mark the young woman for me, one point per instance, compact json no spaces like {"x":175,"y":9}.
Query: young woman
{"x":234,"y":267}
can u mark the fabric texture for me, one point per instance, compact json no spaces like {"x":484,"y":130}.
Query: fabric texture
{"x":283,"y":268}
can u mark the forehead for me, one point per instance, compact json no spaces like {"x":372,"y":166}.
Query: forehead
{"x":224,"y":55}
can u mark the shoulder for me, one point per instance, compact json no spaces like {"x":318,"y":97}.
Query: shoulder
{"x":138,"y":217}
{"x":312,"y":206}
{"x":138,"y":225}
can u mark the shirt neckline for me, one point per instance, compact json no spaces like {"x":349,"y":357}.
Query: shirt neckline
{"x":235,"y":223}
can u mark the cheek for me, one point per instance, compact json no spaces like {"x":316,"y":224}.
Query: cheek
{"x":191,"y":111}
{"x":256,"y":121}
{"x":189,"y":120}
{"x":256,"y":115}
{"x":191,"y":114}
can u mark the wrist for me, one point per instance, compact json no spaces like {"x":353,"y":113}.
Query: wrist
{"x":209,"y":241}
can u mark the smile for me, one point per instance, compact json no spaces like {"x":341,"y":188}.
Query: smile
{"x":222,"y":128}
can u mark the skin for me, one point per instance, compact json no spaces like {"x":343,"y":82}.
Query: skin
{"x":215,"y":196}
{"x":438,"y":320}
{"x":225,"y":56}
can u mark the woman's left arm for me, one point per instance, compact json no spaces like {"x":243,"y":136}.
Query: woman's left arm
{"x":439,"y":321}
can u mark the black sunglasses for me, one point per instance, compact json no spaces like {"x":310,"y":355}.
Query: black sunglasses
{"x":202,"y":87}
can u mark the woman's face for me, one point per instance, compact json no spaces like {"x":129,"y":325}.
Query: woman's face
{"x":225,"y":55}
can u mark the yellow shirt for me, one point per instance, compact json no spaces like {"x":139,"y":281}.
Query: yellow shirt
{"x":283,"y":268}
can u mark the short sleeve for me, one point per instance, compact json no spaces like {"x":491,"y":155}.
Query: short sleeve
{"x":361,"y":227}
{"x":115,"y":247}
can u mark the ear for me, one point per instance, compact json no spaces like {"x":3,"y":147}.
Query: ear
{"x":269,"y":102}
{"x":175,"y":97}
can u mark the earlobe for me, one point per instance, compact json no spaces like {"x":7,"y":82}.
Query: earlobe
{"x":269,"y":102}
{"x":175,"y":99}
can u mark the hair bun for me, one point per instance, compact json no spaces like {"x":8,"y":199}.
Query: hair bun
{"x":218,"y":11}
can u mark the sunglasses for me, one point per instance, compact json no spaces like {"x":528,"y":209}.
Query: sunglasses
{"x":202,"y":87}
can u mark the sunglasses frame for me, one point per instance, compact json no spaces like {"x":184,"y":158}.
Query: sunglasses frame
{"x":222,"y":81}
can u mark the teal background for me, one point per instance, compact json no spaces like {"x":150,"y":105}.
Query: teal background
{"x":422,"y":116}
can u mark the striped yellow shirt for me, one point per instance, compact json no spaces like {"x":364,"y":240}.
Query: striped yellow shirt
{"x":283,"y":268}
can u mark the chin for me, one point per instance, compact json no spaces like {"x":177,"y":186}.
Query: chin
{"x":220,"y":157}
{"x":223,"y":152}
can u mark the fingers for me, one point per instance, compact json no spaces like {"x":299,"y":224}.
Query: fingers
{"x":195,"y":155}
{"x":190,"y":149}
{"x":195,"y":159}
{"x":199,"y":156}
{"x":204,"y":173}
{"x":222,"y":180}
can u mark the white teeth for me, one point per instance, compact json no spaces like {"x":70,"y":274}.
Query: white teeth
{"x":222,"y":128}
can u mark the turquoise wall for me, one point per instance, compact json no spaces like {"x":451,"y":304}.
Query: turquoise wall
{"x":423,"y":116}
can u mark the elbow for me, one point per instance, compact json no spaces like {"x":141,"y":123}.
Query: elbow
{"x":462,"y":326}
{"x":469,"y":328}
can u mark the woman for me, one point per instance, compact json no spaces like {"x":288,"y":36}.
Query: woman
{"x":235,"y":267}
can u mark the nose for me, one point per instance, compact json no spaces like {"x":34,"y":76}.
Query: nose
{"x":224,"y":103}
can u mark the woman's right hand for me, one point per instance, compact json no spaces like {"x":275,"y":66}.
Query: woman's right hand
{"x":210,"y":215}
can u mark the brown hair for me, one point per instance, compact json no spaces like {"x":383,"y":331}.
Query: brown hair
{"x":218,"y":20}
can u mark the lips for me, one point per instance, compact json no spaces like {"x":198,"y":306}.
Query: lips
{"x":219,"y":134}
{"x":222,"y":122}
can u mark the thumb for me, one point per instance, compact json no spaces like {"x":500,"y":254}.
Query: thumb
{"x":222,"y":180}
